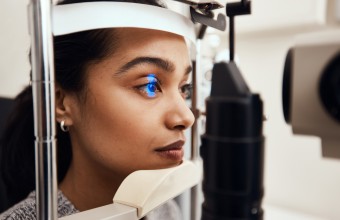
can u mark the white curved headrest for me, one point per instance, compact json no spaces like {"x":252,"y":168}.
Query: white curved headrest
{"x":78,"y":17}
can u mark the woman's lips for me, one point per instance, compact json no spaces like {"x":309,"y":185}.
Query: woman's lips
{"x":172,"y":151}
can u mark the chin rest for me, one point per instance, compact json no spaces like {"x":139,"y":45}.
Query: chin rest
{"x":145,"y":190}
{"x":148,"y":189}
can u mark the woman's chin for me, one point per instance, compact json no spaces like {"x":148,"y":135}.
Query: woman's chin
{"x":170,"y":164}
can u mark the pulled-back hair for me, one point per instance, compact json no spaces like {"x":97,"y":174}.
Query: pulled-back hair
{"x":73,"y":53}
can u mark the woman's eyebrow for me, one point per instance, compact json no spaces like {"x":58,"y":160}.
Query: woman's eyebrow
{"x":158,"y":62}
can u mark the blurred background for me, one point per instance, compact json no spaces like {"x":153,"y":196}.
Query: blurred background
{"x":299,"y":183}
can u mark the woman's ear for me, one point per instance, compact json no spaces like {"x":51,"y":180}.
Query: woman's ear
{"x":63,"y":106}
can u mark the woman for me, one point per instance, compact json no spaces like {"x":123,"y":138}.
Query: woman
{"x":120,"y":103}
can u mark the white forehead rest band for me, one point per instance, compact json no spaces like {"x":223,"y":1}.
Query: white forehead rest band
{"x":78,"y":17}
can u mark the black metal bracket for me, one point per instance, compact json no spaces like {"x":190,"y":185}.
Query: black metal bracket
{"x":238,"y":8}
{"x":201,"y":12}
{"x":234,"y":9}
{"x":207,"y":19}
{"x":207,"y":5}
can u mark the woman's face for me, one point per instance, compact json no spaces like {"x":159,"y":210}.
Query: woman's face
{"x":134,"y":114}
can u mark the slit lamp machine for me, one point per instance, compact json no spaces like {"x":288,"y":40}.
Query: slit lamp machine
{"x":229,"y":162}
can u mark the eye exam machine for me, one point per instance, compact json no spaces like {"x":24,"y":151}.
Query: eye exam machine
{"x":231,"y":106}
{"x":227,"y":160}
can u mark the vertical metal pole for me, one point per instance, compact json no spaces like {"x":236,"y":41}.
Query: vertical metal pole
{"x":194,"y":193}
{"x":39,"y":12}
{"x":231,"y":38}
{"x":195,"y":109}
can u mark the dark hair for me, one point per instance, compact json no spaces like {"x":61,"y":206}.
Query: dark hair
{"x":73,"y":54}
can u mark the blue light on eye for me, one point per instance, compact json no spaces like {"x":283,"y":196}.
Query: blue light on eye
{"x":151,"y":87}
{"x":152,"y":78}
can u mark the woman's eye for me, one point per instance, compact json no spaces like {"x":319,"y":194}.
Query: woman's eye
{"x":186,"y":91}
{"x":151,"y":88}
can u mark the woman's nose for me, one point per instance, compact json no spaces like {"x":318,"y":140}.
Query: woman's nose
{"x":179,"y":116}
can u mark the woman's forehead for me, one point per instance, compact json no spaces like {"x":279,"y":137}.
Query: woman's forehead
{"x":145,"y":41}
{"x":150,"y":46}
{"x":140,"y":34}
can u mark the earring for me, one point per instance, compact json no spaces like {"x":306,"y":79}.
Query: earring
{"x":63,"y":127}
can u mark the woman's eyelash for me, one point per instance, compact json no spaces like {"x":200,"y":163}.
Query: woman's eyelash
{"x":151,"y":88}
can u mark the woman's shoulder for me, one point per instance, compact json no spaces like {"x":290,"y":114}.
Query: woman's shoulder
{"x":22,"y":210}
{"x":26,"y":209}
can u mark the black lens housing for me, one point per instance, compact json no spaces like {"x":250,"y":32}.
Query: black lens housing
{"x":232,"y":149}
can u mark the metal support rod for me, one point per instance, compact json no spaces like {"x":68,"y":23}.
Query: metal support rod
{"x":196,"y":80}
{"x":231,"y":38}
{"x":195,"y":110}
{"x":194,"y":143}
{"x":39,"y":12}
{"x":235,"y":9}
{"x":194,"y":192}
